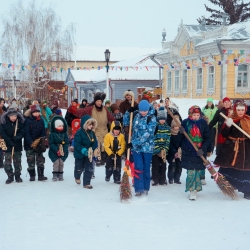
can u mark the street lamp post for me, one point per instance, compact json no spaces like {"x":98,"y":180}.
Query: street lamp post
{"x":107,"y":56}
{"x":14,"y":86}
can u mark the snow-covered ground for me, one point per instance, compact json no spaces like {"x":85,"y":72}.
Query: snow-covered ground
{"x":64,"y":215}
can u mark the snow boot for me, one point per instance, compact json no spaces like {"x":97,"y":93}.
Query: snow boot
{"x":193,"y":195}
{"x":60,"y":176}
{"x":18,"y":178}
{"x":203,"y":182}
{"x":247,"y":195}
{"x":32,"y":174}
{"x":10,"y":178}
{"x":41,"y":176}
{"x":54,"y":178}
{"x":78,"y":181}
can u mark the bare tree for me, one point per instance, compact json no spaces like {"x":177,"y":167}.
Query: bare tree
{"x":33,"y":36}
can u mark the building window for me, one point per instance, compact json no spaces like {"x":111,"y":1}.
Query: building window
{"x":169,"y":86}
{"x":177,"y":80}
{"x":211,"y":77}
{"x":242,"y":81}
{"x":184,"y":79}
{"x":199,"y":79}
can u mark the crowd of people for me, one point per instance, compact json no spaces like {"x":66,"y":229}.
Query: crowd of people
{"x":98,"y":132}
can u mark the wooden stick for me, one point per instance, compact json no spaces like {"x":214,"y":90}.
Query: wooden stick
{"x":235,"y":125}
{"x":130,"y":129}
{"x":12,"y":153}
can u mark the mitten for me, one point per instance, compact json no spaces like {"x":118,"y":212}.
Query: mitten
{"x":200,"y":152}
{"x":229,"y":122}
{"x":129,"y":145}
{"x":58,"y":153}
{"x":132,"y":109}
{"x":84,"y":151}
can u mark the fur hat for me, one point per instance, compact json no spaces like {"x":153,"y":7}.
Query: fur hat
{"x":144,"y":105}
{"x":114,"y":107}
{"x":11,"y":112}
{"x":128,"y":92}
{"x":34,"y":108}
{"x":161,"y":114}
{"x":13,"y":106}
{"x":99,"y":96}
{"x":173,"y":123}
{"x":58,"y":123}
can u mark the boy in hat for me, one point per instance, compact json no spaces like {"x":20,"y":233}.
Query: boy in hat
{"x":34,"y":129}
{"x":116,"y":112}
{"x":174,"y":155}
{"x":114,"y":145}
{"x":107,"y":105}
{"x":12,"y":121}
{"x":59,"y":143}
{"x":161,"y":147}
{"x":142,"y":145}
{"x":198,"y":131}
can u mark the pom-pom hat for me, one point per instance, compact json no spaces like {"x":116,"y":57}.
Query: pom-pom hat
{"x":161,"y":114}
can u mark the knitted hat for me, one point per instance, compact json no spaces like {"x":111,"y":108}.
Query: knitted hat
{"x":174,"y":124}
{"x":34,"y":108}
{"x":194,"y":109}
{"x":11,"y":112}
{"x":128,"y":92}
{"x":114,"y":107}
{"x":226,"y":99}
{"x":84,"y":100}
{"x":58,"y":123}
{"x":144,"y":105}
{"x":210,"y":100}
{"x":75,"y":100}
{"x":117,"y":125}
{"x":58,"y":112}
{"x":108,"y":101}
{"x":161,"y":114}
{"x":13,"y":106}
{"x":44,"y":102}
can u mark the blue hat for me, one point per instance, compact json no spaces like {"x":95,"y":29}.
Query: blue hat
{"x":144,"y":105}
{"x":161,"y":114}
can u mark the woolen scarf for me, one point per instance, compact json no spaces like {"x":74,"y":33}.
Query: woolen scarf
{"x":244,"y":121}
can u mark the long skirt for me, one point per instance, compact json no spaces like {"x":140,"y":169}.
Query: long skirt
{"x":238,"y":178}
{"x":193,"y":180}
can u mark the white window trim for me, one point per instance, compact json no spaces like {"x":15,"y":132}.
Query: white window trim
{"x":211,"y":91}
{"x":184,"y":91}
{"x":242,"y":90}
{"x":177,"y":91}
{"x":169,"y":91}
{"x":199,"y":91}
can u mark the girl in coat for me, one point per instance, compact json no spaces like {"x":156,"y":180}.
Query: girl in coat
{"x":59,"y":142}
{"x":142,"y":144}
{"x":234,"y":156}
{"x":85,"y":140}
{"x":198,"y":131}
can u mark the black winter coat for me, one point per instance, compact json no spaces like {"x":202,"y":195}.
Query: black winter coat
{"x":7,"y":131}
{"x":173,"y":147}
{"x":226,"y":155}
{"x":190,"y":159}
{"x":34,"y":129}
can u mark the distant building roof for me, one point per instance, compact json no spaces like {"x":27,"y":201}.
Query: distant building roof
{"x":90,"y":53}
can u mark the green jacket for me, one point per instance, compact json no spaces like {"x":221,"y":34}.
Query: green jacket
{"x":209,"y":113}
{"x":56,"y":138}
{"x":84,"y":138}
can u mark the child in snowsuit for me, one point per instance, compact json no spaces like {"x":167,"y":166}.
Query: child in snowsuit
{"x":9,"y":122}
{"x":198,"y":131}
{"x":174,"y":155}
{"x":161,"y":142}
{"x":59,"y":143}
{"x":142,"y":144}
{"x":114,"y":146}
{"x":85,"y":143}
{"x":34,"y":129}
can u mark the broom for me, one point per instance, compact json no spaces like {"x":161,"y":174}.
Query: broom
{"x":12,"y":153}
{"x":226,"y":188}
{"x":125,"y":188}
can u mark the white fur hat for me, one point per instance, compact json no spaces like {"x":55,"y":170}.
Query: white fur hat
{"x":58,"y":122}
{"x":128,"y":92}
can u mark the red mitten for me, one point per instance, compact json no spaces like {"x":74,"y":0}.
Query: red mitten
{"x":58,"y":153}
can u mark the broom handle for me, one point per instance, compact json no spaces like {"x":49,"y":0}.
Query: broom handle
{"x":235,"y":125}
{"x":130,"y":127}
{"x":12,"y":153}
{"x":186,"y":135}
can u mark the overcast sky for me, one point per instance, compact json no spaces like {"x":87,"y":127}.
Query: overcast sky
{"x":123,"y":23}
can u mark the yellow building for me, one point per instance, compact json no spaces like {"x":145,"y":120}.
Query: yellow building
{"x":207,"y":61}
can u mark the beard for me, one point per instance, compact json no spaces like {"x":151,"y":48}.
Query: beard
{"x":98,"y":108}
